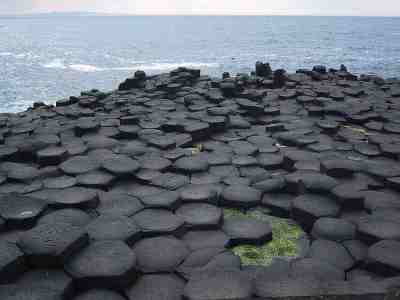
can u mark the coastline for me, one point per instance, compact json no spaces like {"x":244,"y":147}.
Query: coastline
{"x":30,"y":72}
{"x":136,"y":181}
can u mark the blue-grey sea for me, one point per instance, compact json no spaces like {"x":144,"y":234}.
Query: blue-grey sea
{"x":45,"y":57}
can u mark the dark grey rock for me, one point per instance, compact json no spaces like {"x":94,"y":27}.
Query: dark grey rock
{"x":118,"y":204}
{"x":247,"y":231}
{"x":158,"y":221}
{"x":95,"y":179}
{"x":51,"y":155}
{"x":60,"y":182}
{"x":170,"y":181}
{"x":208,"y":259}
{"x":191,"y":164}
{"x":278,"y":203}
{"x":219,"y":158}
{"x":223,"y":285}
{"x":224,"y":171}
{"x":333,"y":229}
{"x":372,"y":230}
{"x":99,"y":294}
{"x":243,"y":148}
{"x":241,"y":196}
{"x":7,"y":152}
{"x":263,"y":69}
{"x":121,"y":166}
{"x":270,"y":161}
{"x":14,"y":292}
{"x":331,"y":252}
{"x":357,"y":249}
{"x":387,"y":214}
{"x":204,"y":179}
{"x":303,"y":181}
{"x":228,"y":88}
{"x":288,"y":288}
{"x":21,"y":211}
{"x":382,"y":169}
{"x":340,"y":167}
{"x":22,"y":173}
{"x":380,"y":199}
{"x":157,"y":286}
{"x":166,"y":199}
{"x":147,"y":175}
{"x":199,"y":193}
{"x":313,"y":268}
{"x":383,"y":258}
{"x":200,"y":215}
{"x":50,"y":244}
{"x":12,"y":262}
{"x":236,"y":180}
{"x":100,"y":142}
{"x":160,"y":254}
{"x":349,"y":195}
{"x":74,"y":197}
{"x":114,"y":228}
{"x":53,"y":279}
{"x":306,"y":209}
{"x":75,"y":217}
{"x":114,"y":263}
{"x":79,"y":165}
{"x":360,"y":274}
{"x":270,"y":185}
{"x":155,"y":163}
{"x":244,"y":161}
{"x":205,"y":239}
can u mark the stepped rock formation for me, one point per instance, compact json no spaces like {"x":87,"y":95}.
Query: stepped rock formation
{"x":118,"y":195}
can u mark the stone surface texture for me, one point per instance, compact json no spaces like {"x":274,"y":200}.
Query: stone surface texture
{"x":121,"y":194}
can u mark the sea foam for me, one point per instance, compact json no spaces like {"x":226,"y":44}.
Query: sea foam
{"x":162,"y":66}
{"x":85,"y":68}
{"x":55,"y":64}
{"x":171,"y":66}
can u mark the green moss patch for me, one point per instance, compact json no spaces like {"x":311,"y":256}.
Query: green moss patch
{"x":284,"y":243}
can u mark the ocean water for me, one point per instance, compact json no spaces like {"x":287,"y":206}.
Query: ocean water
{"x":46,"y":58}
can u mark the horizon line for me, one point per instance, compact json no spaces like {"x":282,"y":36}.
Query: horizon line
{"x":105,"y":14}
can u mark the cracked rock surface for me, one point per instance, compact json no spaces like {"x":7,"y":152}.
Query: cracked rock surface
{"x":123,"y":195}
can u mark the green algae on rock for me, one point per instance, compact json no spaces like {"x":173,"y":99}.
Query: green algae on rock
{"x":285,"y":236}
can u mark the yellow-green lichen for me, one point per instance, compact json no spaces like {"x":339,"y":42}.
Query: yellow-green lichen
{"x":284,"y":243}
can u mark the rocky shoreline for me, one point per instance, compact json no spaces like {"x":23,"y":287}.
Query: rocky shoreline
{"x":121,"y":195}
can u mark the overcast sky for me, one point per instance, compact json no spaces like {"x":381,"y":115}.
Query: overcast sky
{"x":316,"y":7}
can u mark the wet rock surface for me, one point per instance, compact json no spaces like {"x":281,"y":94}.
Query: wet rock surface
{"x":122,"y":195}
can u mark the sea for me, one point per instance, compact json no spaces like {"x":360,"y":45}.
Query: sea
{"x":50,"y":57}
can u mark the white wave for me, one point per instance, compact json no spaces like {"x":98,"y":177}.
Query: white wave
{"x":23,"y":55}
{"x":85,"y":68}
{"x":55,"y":64}
{"x":162,"y":66}
{"x":138,"y":62}
{"x":171,"y":66}
{"x":123,"y":69}
{"x":59,"y":64}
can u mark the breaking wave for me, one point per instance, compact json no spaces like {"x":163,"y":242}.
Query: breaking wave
{"x":59,"y":64}
{"x":55,"y":64}
{"x":171,"y":66}
{"x":85,"y":68}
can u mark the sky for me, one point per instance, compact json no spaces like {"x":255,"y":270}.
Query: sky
{"x":236,"y":7}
